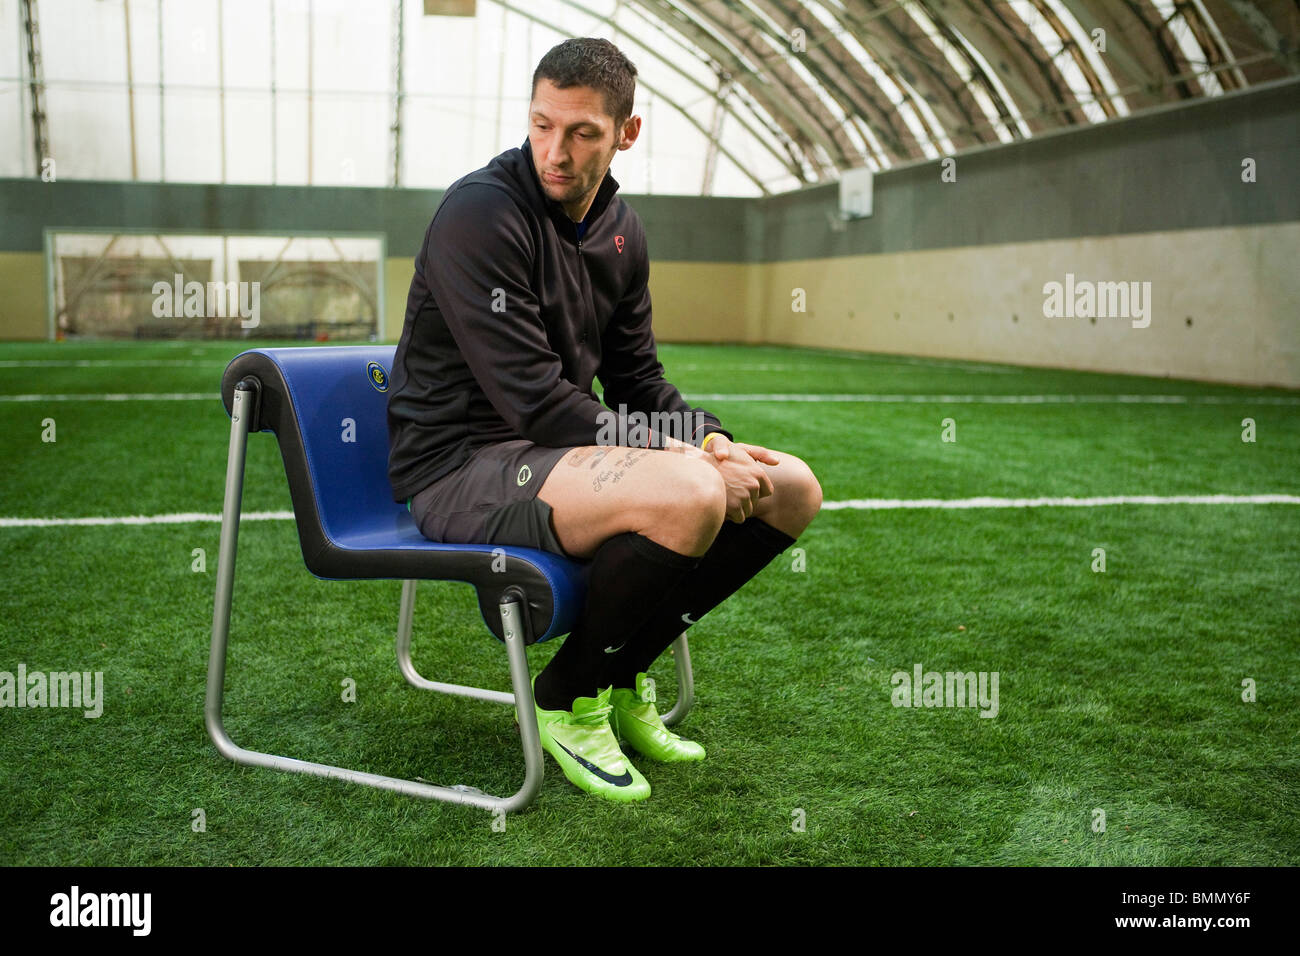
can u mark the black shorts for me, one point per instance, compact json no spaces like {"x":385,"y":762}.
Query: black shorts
{"x":492,"y":499}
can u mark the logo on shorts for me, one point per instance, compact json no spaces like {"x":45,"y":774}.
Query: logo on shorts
{"x":378,"y":377}
{"x":524,"y":474}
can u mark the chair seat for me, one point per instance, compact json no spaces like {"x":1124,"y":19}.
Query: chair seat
{"x":403,"y":552}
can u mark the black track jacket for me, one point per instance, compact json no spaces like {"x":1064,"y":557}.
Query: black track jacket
{"x":510,"y":317}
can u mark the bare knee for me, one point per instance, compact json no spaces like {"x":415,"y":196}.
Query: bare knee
{"x":687,"y":514}
{"x":798,"y":496}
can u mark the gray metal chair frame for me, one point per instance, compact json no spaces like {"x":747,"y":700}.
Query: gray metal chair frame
{"x":514,"y":625}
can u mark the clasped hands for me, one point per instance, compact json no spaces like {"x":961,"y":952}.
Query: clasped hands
{"x":738,"y":463}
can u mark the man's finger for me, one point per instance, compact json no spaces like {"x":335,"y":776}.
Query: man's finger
{"x":759,"y":453}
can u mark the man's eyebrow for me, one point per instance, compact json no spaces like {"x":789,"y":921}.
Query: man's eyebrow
{"x":538,"y":114}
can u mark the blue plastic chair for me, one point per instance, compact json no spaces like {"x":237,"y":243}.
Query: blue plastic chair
{"x":327,"y":407}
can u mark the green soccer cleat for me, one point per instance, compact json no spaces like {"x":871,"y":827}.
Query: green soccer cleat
{"x":635,"y":720}
{"x":584,"y":746}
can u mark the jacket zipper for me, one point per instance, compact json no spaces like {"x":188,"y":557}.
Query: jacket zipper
{"x":589,"y":311}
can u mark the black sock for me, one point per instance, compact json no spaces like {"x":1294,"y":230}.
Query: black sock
{"x":630,"y":576}
{"x":738,"y":553}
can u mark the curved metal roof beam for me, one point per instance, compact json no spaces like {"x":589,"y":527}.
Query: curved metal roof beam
{"x":1286,"y":53}
{"x":1015,"y":69}
{"x":856,"y":64}
{"x":905,"y":37}
{"x":1178,"y":72}
{"x":774,"y":98}
{"x":1210,"y":38}
{"x":823,"y":84}
{"x":1197,"y":45}
{"x":1078,"y":45}
{"x":844,"y":79}
{"x":716,"y":63}
{"x":774,"y":67}
{"x":1065,"y":99}
{"x":1005,"y":113}
{"x":1132,"y":54}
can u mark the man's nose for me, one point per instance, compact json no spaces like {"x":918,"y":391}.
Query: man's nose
{"x":557,"y":152}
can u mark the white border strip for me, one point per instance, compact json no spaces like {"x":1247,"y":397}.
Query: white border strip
{"x":790,"y":397}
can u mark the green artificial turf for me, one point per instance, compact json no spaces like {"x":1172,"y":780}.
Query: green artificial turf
{"x":1119,"y":691}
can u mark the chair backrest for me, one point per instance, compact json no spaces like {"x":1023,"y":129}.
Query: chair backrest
{"x":328,"y":409}
{"x":327,"y":406}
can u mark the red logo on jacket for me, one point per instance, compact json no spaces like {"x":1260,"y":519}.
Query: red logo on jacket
{"x":618,"y":243}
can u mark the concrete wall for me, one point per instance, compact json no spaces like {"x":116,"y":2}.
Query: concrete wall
{"x":1224,"y":304}
{"x":1155,"y":198}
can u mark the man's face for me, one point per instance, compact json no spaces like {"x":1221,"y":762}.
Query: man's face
{"x":573,"y":141}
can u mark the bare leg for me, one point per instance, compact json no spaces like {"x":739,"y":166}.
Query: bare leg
{"x":796,"y":495}
{"x":596,"y":492}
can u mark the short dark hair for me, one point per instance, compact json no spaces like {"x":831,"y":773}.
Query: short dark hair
{"x":593,"y":62}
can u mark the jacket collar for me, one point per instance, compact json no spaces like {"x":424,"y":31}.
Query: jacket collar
{"x":608,"y":187}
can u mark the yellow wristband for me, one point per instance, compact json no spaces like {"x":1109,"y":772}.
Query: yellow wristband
{"x":705,"y":443}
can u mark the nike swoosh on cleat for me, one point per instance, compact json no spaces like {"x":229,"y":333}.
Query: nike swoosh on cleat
{"x":621,"y":781}
{"x":611,"y":650}
{"x":687,"y":618}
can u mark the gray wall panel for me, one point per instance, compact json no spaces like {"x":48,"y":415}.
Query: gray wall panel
{"x":1170,"y":169}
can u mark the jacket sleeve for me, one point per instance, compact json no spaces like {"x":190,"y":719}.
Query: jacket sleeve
{"x":630,"y":370}
{"x":477,"y":262}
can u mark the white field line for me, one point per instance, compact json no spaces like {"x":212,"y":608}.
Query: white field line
{"x":787,"y":397}
{"x":118,"y":397}
{"x":191,"y":517}
{"x":1005,"y":399}
{"x":890,"y":504}
{"x":857,"y":504}
{"x":107,"y":363}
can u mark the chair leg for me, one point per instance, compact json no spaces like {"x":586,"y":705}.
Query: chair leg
{"x":685,"y":682}
{"x":405,"y":619}
{"x":213,"y":704}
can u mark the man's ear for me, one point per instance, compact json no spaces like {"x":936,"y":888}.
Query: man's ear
{"x":629,"y":131}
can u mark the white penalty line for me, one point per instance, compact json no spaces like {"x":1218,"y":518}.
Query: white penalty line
{"x":856,"y":504}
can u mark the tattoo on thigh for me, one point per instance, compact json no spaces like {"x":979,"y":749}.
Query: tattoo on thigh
{"x":618,"y":469}
{"x":632,"y":457}
{"x":578,"y":456}
{"x":605,"y":475}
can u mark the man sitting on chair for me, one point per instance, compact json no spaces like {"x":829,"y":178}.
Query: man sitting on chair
{"x":532,"y":281}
